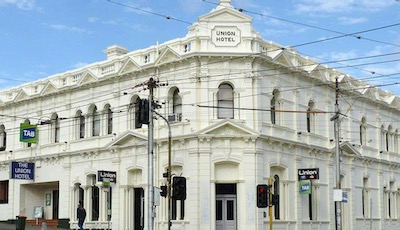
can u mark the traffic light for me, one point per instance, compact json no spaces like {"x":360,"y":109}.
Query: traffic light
{"x":179,"y":188}
{"x":262,"y":195}
{"x":142,"y":112}
{"x":163,"y":191}
{"x":165,"y":175}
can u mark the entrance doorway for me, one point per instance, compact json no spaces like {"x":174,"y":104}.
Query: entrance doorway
{"x":138,"y":209}
{"x":225,"y":207}
{"x":55,"y":204}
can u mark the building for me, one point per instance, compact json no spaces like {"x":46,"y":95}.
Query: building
{"x":242,"y":109}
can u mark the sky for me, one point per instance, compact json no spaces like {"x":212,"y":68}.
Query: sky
{"x":40,"y":38}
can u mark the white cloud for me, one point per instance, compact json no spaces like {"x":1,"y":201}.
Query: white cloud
{"x":351,"y":21}
{"x":343,"y":55}
{"x":72,"y":29}
{"x":79,"y":65}
{"x":21,"y":4}
{"x":93,"y":19}
{"x":140,"y":28}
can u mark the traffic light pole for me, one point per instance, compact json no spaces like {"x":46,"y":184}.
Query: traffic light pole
{"x":270,"y":204}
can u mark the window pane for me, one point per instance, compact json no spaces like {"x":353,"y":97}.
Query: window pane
{"x":56,"y":129}
{"x":177,"y":103}
{"x":225,"y":101}
{"x":3,"y":192}
{"x":96,"y":122}
{"x":230,"y":210}
{"x":219,"y":210}
{"x":110,"y":121}
{"x":95,"y":203}
{"x":81,"y":126}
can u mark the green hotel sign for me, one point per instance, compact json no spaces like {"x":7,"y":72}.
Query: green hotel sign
{"x":28,"y":133}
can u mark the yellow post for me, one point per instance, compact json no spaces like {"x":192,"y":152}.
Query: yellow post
{"x":270,"y":203}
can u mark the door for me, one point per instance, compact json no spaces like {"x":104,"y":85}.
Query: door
{"x":55,"y":204}
{"x":225,"y":207}
{"x":139,"y":209}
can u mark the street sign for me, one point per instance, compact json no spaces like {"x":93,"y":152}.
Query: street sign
{"x":305,"y":187}
{"x":28,"y":133}
{"x":308,"y":174}
{"x":344,"y":197}
{"x":22,"y":170}
{"x":107,"y":174}
{"x":337,"y":195}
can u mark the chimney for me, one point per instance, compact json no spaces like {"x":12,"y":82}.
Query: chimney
{"x":115,"y":51}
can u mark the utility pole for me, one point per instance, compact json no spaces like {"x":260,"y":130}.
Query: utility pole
{"x":338,"y":204}
{"x":169,"y":171}
{"x":150,"y":177}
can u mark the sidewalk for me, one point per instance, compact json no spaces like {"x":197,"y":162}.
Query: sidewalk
{"x":5,"y":226}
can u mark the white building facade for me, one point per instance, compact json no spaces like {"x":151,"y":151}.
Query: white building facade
{"x":242,"y":109}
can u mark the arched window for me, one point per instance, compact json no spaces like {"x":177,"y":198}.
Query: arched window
{"x":3,"y":138}
{"x":134,"y":112}
{"x":95,"y":122}
{"x":56,"y":128}
{"x":365,"y":197}
{"x":363,"y":132}
{"x":310,"y":117}
{"x":274,"y":106}
{"x":109,"y":119}
{"x":176,"y":105}
{"x":80,"y":121}
{"x":95,"y":201}
{"x":225,"y":101}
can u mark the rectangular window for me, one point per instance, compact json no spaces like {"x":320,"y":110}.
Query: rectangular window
{"x":4,"y":192}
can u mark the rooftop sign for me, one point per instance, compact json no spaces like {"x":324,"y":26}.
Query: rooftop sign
{"x":225,"y":36}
